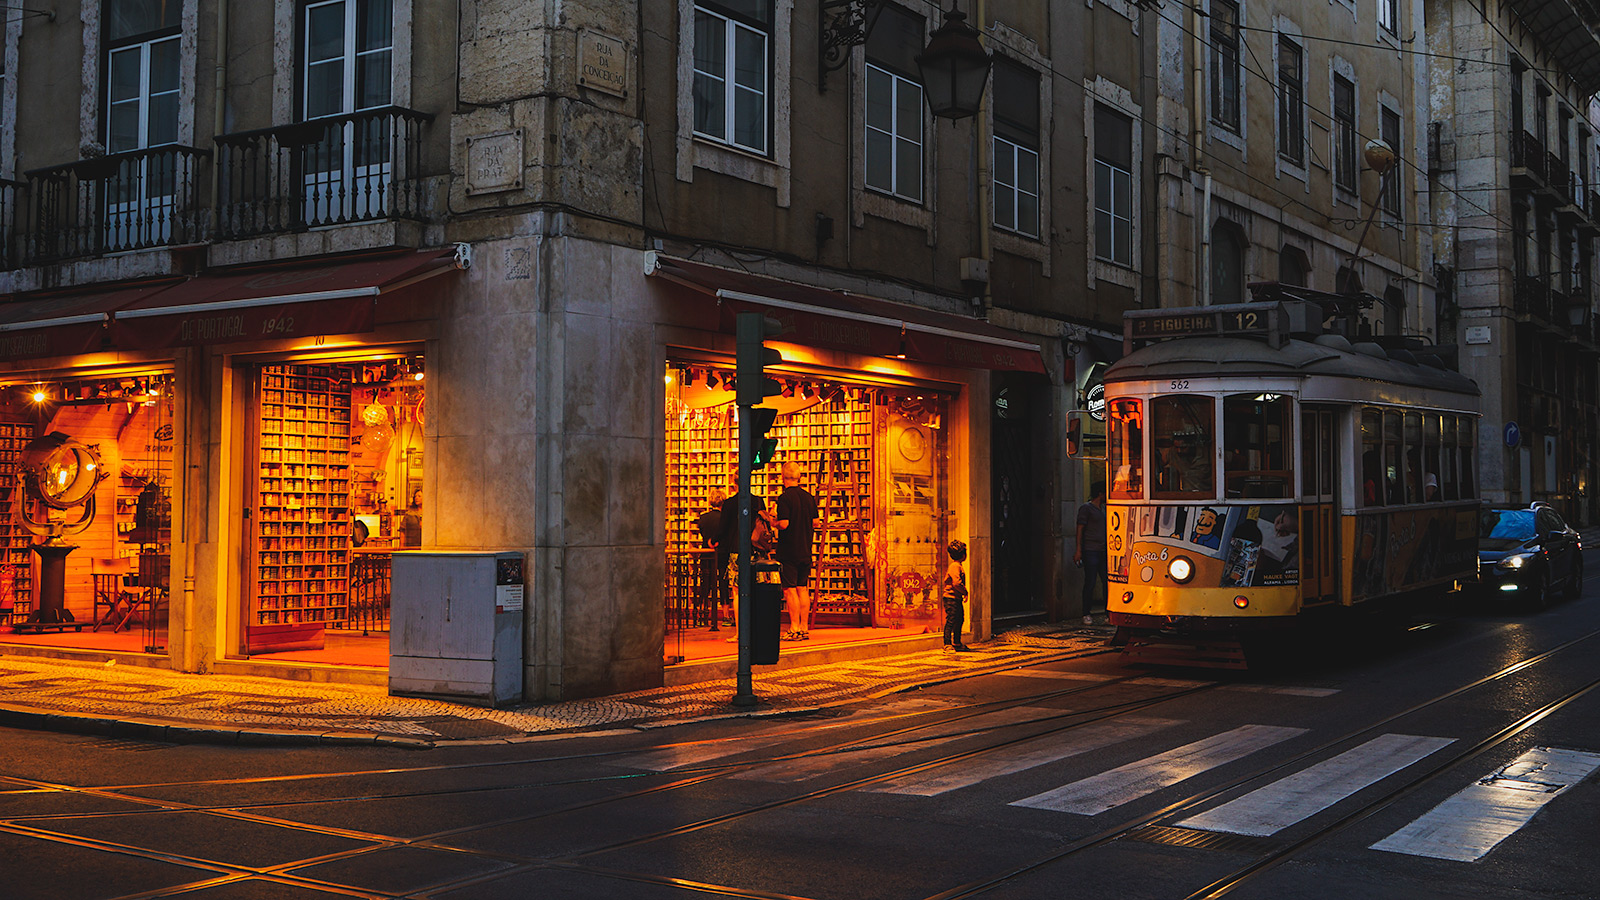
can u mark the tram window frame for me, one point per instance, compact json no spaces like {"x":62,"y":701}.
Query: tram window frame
{"x":1432,"y":435}
{"x":1192,"y":425}
{"x":1466,"y":442}
{"x":1258,"y":465}
{"x":1125,"y":449}
{"x":1371,"y":457}
{"x":1393,"y":467}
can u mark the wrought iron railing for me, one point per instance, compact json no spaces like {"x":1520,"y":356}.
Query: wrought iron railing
{"x":125,"y":201}
{"x":1531,"y":297}
{"x":329,"y":171}
{"x":8,"y":224}
{"x":1527,"y":153}
{"x":1556,"y":174}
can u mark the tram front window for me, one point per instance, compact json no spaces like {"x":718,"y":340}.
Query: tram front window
{"x":1256,"y":440}
{"x":1183,"y":436}
{"x":1125,"y":450}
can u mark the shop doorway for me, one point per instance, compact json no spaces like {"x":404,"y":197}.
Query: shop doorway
{"x":335,"y":486}
{"x":877,"y":461}
{"x":86,"y":512}
{"x":1018,"y":550}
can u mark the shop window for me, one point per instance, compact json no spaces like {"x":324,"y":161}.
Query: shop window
{"x":1372,"y":480}
{"x":336,"y":487}
{"x":94,"y":458}
{"x":1125,"y":450}
{"x":1256,"y":445}
{"x":874,"y":458}
{"x":1183,"y":439}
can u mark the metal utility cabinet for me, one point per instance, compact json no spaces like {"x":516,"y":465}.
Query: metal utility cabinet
{"x":455,"y":628}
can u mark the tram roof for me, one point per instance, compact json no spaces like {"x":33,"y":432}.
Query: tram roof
{"x":1224,"y":357}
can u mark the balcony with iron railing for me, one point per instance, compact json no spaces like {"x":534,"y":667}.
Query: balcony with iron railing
{"x":1527,"y":159}
{"x":8,"y":223}
{"x":136,"y":200}
{"x":1531,"y":298}
{"x":337,"y":170}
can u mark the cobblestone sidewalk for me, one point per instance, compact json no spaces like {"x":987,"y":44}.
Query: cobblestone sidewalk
{"x":155,"y":704}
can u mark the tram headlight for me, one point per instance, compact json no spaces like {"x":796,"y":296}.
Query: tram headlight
{"x":1180,"y":569}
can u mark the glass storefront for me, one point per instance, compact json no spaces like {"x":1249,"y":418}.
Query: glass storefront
{"x":86,"y":511}
{"x":336,"y":486}
{"x":876,"y":458}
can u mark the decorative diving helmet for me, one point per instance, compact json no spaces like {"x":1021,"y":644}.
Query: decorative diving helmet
{"x":58,"y":474}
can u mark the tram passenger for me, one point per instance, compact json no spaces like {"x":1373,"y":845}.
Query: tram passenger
{"x":1186,"y":465}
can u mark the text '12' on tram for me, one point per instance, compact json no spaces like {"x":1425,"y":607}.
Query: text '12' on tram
{"x":1261,"y":470}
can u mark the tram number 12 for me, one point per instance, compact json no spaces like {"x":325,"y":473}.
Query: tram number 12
{"x":1244,"y":320}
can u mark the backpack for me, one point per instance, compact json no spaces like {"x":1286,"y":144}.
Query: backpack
{"x":763,"y":536}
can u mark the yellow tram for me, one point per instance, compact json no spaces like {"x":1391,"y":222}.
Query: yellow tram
{"x":1258,"y":470}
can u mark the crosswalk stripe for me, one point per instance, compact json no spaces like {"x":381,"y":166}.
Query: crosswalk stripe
{"x":1025,"y":755}
{"x":1108,"y":790}
{"x":1475,"y":819}
{"x":789,"y":771}
{"x":1271,"y":809}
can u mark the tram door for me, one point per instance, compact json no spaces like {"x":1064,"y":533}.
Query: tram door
{"x":1319,"y":513}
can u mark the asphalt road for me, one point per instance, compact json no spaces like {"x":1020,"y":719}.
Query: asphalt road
{"x":1450,"y":754}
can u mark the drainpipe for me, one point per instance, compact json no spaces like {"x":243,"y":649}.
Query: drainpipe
{"x":1205,"y":245}
{"x":1197,"y":137}
{"x":985,"y":203}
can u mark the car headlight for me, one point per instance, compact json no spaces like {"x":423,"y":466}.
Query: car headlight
{"x":1515,"y":562}
{"x":1180,"y":569}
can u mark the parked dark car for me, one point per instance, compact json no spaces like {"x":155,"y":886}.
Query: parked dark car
{"x":1527,"y":553}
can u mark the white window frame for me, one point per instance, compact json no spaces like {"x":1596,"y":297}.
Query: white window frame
{"x":1388,"y":16}
{"x":92,"y":96}
{"x":1216,"y":131}
{"x":145,"y":95}
{"x":1215,"y":70}
{"x":875,"y":203}
{"x":1388,"y":104}
{"x":349,"y":61}
{"x":1101,"y":90}
{"x":898,"y":86}
{"x":349,"y":188}
{"x":287,"y":53}
{"x":1284,"y":29}
{"x":731,"y":29}
{"x":137,"y":210}
{"x":1016,"y":153}
{"x":774,"y":169}
{"x":1023,"y":51}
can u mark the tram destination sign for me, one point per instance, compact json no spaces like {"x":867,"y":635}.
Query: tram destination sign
{"x":1231,"y":319}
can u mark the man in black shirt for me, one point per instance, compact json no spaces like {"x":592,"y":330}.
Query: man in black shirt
{"x":797,"y":514}
{"x":713,"y":565}
{"x":728,"y":538}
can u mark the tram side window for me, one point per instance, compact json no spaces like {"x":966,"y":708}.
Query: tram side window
{"x":1372,"y":482}
{"x":1412,"y":483}
{"x":1430,"y":458}
{"x":1466,"y":438}
{"x":1125,"y":450}
{"x":1450,"y":488}
{"x":1183,"y":437}
{"x":1393,"y":492}
{"x":1257,"y":441}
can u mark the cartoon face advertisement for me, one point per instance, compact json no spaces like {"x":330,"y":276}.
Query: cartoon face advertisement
{"x":1230,"y":546}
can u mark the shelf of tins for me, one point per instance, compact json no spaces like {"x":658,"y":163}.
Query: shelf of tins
{"x":832,"y":441}
{"x":302,"y":540}
{"x":16,"y":560}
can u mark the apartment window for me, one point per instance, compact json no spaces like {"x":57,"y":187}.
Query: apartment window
{"x":1563,"y":145}
{"x":894,"y":107}
{"x":1293,"y":267}
{"x":1344,"y":133}
{"x":1113,"y":185}
{"x":348,"y":56}
{"x":1386,"y":15}
{"x":1016,"y":148}
{"x":1519,"y":241}
{"x":732,"y":65}
{"x":141,"y":74}
{"x":1225,"y":64}
{"x":1227,"y":263}
{"x":1291,"y":101}
{"x":1517,"y":70}
{"x":1390,"y":133}
{"x":1541,"y":114}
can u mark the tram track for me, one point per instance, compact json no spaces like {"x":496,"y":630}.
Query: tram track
{"x":582,"y":860}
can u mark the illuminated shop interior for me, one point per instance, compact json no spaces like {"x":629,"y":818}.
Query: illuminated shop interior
{"x":876,"y":458}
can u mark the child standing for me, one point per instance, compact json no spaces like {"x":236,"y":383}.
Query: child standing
{"x":955,"y":591}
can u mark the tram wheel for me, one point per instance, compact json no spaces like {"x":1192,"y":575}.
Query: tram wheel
{"x":1575,"y":584}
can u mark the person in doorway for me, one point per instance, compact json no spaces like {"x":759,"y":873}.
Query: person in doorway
{"x":1090,"y":552}
{"x":954,"y":596}
{"x":728,"y":539}
{"x":797,"y":516}
{"x":713,"y":565}
{"x":411,"y":522}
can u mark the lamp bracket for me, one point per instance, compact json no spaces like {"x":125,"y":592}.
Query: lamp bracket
{"x":841,"y":24}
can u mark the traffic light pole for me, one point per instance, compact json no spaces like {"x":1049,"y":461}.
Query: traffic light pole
{"x":744,"y":686}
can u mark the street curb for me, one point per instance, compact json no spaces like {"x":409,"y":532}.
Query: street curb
{"x":189,"y":733}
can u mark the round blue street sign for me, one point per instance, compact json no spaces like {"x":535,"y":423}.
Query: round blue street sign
{"x":1513,"y":434}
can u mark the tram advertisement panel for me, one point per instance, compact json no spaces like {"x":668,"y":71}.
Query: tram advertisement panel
{"x":1397,"y":551}
{"x":1230,"y":546}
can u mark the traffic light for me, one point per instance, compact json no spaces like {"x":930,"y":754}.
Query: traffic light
{"x":764,"y":448}
{"x":751,"y":382}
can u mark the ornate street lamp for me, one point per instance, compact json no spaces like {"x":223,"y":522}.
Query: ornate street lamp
{"x":954,"y":68}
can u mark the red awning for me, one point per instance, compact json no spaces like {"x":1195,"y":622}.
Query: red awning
{"x":66,"y":324}
{"x":839,"y":321}
{"x":276,"y":302}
